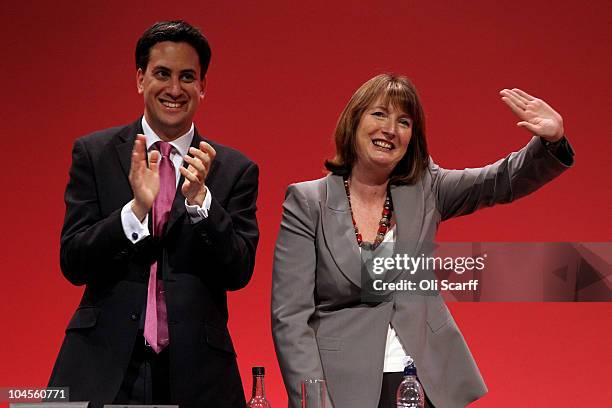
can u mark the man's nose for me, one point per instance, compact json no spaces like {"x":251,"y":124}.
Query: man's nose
{"x":174,"y":87}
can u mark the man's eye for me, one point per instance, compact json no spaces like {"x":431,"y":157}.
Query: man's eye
{"x":188,"y":78}
{"x":161,"y":74}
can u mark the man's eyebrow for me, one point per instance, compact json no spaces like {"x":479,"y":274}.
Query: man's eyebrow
{"x":162,"y":67}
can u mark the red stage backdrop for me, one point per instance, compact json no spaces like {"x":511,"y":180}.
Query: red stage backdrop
{"x":281,"y":73}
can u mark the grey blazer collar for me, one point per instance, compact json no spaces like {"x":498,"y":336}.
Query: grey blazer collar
{"x":339,"y":234}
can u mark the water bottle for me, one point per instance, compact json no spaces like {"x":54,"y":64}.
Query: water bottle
{"x":258,"y":398}
{"x":410,"y":392}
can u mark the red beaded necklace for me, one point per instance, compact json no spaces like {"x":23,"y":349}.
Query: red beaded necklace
{"x":383,"y":225}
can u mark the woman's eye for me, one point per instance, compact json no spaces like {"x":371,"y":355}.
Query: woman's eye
{"x":378,"y":114}
{"x":405,"y":123}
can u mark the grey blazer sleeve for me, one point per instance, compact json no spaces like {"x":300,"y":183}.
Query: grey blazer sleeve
{"x":461,"y":192}
{"x":293,"y":287}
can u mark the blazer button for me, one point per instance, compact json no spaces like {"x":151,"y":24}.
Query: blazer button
{"x":135,"y":316}
{"x":134,"y":236}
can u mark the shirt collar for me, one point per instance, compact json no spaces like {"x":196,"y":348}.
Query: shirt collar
{"x":181,"y":144}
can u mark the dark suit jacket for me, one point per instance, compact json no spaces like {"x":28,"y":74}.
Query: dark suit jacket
{"x":198,"y":262}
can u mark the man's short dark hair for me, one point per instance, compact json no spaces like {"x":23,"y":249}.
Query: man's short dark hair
{"x":175,"y":31}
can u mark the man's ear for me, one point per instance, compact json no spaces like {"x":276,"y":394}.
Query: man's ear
{"x":139,"y":81}
{"x":203,"y":87}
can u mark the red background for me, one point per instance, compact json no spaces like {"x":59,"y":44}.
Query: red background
{"x":280,"y":76}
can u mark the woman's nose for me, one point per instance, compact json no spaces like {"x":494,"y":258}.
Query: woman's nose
{"x":388,"y":128}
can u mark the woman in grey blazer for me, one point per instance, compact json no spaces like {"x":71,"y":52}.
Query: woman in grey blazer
{"x":383,"y":187}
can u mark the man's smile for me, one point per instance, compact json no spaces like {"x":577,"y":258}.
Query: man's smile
{"x":172,"y":104}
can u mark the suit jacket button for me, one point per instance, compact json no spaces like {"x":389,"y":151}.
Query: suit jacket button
{"x":135,"y":316}
{"x":134,"y":236}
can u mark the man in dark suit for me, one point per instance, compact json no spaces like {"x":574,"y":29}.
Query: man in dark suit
{"x":159,"y":225}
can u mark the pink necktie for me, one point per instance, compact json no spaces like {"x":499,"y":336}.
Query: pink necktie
{"x":156,"y":319}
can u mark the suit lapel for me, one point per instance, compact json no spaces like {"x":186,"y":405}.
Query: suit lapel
{"x":339,"y":233}
{"x":178,"y":205}
{"x":126,"y":144}
{"x":338,"y":230}
{"x":408,"y":208}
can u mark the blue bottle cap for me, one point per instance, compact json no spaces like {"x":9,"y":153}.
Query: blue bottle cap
{"x":410,"y":369}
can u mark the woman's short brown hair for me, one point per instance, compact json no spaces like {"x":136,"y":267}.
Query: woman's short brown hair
{"x":400,"y":93}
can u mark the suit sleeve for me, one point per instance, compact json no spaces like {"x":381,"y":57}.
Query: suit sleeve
{"x":461,"y":192}
{"x":231,"y":230}
{"x":293,"y":303}
{"x":89,"y":244}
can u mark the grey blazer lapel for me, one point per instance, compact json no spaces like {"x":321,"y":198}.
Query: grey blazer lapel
{"x":408,"y":208}
{"x":338,"y":230}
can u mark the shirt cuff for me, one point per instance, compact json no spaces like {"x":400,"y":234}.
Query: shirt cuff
{"x":134,"y":230}
{"x":197,"y":213}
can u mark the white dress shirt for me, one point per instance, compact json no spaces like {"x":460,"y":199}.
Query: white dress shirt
{"x":395,"y":355}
